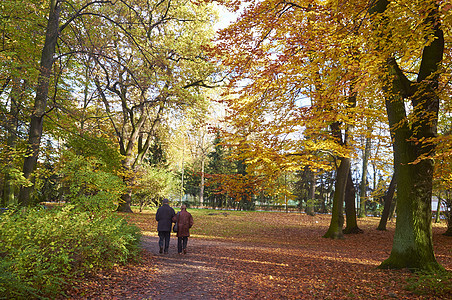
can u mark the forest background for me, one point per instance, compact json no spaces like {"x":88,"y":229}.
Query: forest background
{"x":333,"y":107}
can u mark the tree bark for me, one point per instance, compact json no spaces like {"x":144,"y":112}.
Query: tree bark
{"x":351,"y":225}
{"x":11,"y":126}
{"x":201,"y":188}
{"x":387,"y":204}
{"x":37,"y":117}
{"x":363,"y":188}
{"x":449,"y":222}
{"x":311,"y":197}
{"x":393,"y":207}
{"x":438,"y":210}
{"x":337,"y":214}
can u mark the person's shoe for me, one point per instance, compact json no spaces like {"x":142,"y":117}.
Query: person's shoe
{"x":166,"y":252}
{"x":185,"y":251}
{"x":161,"y":250}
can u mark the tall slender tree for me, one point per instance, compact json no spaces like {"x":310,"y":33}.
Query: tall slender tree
{"x":40,"y":104}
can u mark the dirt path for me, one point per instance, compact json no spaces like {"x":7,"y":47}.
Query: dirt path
{"x":226,"y":270}
{"x":199,"y":274}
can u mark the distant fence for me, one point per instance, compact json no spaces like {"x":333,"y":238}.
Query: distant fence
{"x":291,"y":208}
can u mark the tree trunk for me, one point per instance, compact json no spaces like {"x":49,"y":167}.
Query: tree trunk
{"x":412,"y":245}
{"x":351,"y":225}
{"x":449,"y":222}
{"x":126,"y":198}
{"x":125,"y":205}
{"x":311,"y":197}
{"x":363,"y":188}
{"x":337,"y":214}
{"x":387,"y":204}
{"x":393,"y":207}
{"x":37,"y":117}
{"x":201,"y":188}
{"x":127,"y":140}
{"x":11,"y":124}
{"x":438,"y":210}
{"x":322,"y":198}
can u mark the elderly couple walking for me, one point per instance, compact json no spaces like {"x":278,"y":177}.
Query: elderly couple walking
{"x":165,"y":216}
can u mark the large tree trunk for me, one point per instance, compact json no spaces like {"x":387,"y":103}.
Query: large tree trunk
{"x":37,"y":117}
{"x":351,"y":225}
{"x":412,"y":139}
{"x":387,"y":204}
{"x":412,"y":245}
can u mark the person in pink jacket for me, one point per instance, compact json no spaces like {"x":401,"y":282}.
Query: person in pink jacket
{"x":184,"y":222}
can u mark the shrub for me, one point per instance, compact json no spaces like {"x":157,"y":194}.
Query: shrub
{"x":11,"y":287}
{"x":45,"y":249}
{"x":153,"y":184}
{"x":89,"y":184}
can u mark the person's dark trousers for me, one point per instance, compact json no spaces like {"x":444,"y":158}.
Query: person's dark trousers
{"x":182,"y":244}
{"x":164,"y":239}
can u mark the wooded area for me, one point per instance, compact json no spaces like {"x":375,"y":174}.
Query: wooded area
{"x":334,"y":107}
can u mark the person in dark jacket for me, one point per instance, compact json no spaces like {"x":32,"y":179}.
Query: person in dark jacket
{"x":164,"y":217}
{"x":184,"y":222}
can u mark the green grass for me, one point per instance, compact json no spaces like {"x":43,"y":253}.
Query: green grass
{"x":249,"y":226}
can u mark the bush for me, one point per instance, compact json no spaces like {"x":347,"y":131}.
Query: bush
{"x":88,"y":184}
{"x":11,"y":286}
{"x":153,"y":184}
{"x":45,"y":249}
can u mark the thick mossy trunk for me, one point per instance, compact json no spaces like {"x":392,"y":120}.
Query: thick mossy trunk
{"x":412,"y":245}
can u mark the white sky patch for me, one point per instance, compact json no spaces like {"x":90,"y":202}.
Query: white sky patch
{"x":226,"y":17}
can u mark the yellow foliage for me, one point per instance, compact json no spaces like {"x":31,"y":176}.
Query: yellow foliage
{"x":298,"y":67}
